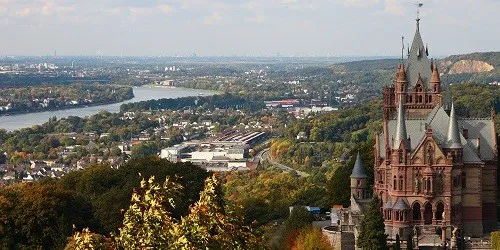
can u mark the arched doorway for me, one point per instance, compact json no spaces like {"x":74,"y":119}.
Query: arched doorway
{"x":416,"y":211}
{"x":439,"y":211}
{"x":428,"y":214}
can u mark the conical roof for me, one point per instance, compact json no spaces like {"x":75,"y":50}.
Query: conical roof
{"x":447,"y":99}
{"x":401,"y":134}
{"x":453,"y":136}
{"x":435,"y":75}
{"x":358,"y":171}
{"x":401,"y":75}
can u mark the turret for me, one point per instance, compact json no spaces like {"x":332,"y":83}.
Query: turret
{"x":401,"y":83}
{"x":358,"y":179}
{"x":435,"y":79}
{"x":401,"y":135}
{"x":453,"y":137}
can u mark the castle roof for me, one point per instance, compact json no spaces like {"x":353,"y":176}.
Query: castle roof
{"x":388,"y":204}
{"x":418,"y":62}
{"x":453,"y":136}
{"x":400,"y":205}
{"x":358,"y":171}
{"x":438,"y":120}
{"x":401,"y":134}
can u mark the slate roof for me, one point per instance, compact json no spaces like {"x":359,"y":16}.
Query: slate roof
{"x":453,"y":135}
{"x":401,"y":134}
{"x":388,"y":204}
{"x":438,"y":120}
{"x":418,"y":63}
{"x":400,"y":205}
{"x":358,"y":171}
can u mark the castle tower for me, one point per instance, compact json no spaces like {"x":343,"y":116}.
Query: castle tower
{"x":433,"y":169}
{"x":358,"y":180}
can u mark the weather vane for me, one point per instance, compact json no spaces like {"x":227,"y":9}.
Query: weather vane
{"x":419,"y":5}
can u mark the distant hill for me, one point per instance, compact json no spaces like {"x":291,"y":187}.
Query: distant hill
{"x":366,"y":65}
{"x":480,"y":67}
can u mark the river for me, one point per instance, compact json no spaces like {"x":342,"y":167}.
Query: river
{"x":14,"y":122}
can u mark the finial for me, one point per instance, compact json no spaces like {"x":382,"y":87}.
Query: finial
{"x":419,"y":5}
{"x":402,"y":48}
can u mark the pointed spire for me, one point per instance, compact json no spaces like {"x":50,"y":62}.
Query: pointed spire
{"x":453,"y":137}
{"x":435,"y":74}
{"x":358,"y":171}
{"x":401,"y":128}
{"x":401,"y":75}
{"x":418,"y":61}
{"x":447,"y":99}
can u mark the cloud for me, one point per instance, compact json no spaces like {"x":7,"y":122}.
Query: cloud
{"x":397,"y":7}
{"x":165,"y":8}
{"x":357,"y":3}
{"x":215,"y":18}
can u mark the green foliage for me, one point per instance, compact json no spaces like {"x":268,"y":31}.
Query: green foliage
{"x":210,"y":225}
{"x":87,"y":240}
{"x":145,"y":149}
{"x":338,"y":186}
{"x":299,"y":218}
{"x":147,"y":223}
{"x":475,"y":100}
{"x":495,"y":239}
{"x":109,"y":189}
{"x":311,"y":238}
{"x":266,"y":195}
{"x":30,"y":99}
{"x":40,"y":215}
{"x":223,"y":101}
{"x":372,"y":235}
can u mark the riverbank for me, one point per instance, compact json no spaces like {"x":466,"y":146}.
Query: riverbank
{"x":23,"y":112}
{"x":19,"y":121}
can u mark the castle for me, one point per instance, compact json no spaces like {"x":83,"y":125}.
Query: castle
{"x":433,"y":169}
{"x":434,"y":172}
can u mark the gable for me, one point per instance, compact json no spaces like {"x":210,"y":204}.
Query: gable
{"x":428,"y":150}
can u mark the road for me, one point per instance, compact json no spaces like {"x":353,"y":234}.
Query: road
{"x":264,"y":155}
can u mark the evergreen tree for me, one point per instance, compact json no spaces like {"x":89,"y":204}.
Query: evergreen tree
{"x":372,"y":235}
{"x":398,"y":242}
{"x":409,"y":242}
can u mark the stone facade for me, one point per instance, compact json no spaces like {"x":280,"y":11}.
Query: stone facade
{"x":432,"y":168}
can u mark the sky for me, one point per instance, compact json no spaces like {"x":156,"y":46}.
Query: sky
{"x":245,"y":27}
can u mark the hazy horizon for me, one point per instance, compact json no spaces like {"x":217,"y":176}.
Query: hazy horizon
{"x":324,"y":28}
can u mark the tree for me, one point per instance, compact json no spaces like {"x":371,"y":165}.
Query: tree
{"x":37,"y":215}
{"x":409,"y":242}
{"x":372,"y":235}
{"x":86,"y":240}
{"x":311,"y":238}
{"x":208,"y":224}
{"x":495,"y":240}
{"x":147,"y":223}
{"x":398,"y":242}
